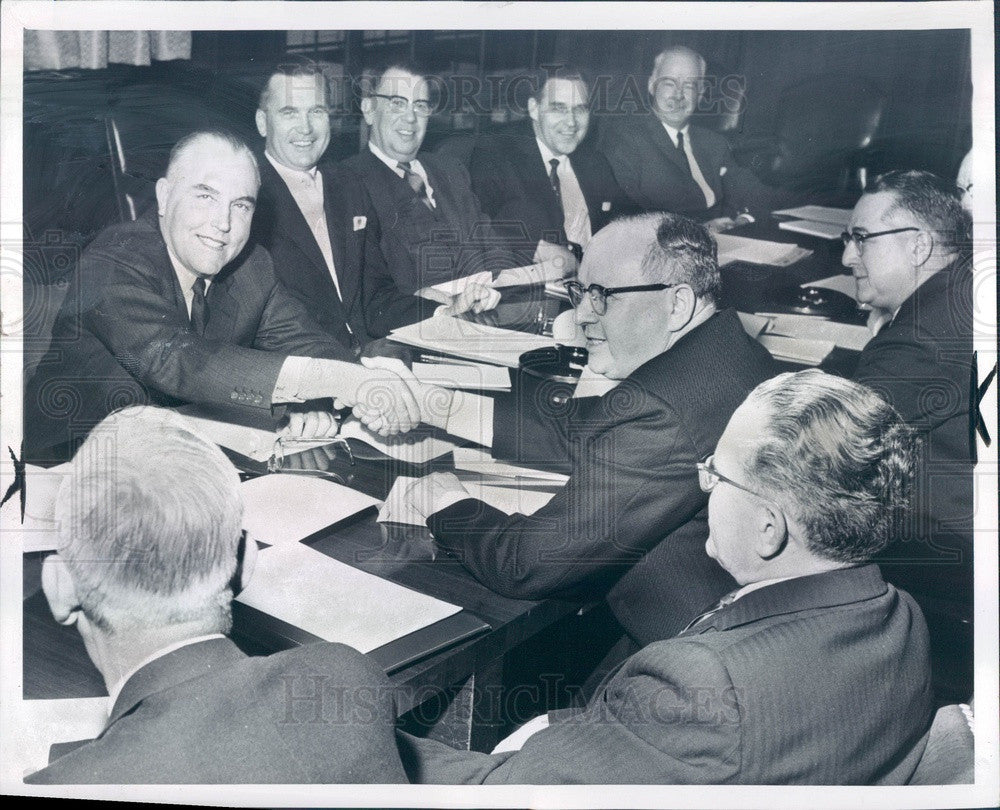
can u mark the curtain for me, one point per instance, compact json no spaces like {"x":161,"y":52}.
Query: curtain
{"x":61,"y":50}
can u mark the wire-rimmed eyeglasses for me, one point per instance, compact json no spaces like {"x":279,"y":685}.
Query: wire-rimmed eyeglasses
{"x":599,"y":295}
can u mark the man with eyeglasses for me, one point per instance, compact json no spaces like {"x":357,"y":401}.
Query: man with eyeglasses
{"x":812,"y":670}
{"x":432,"y":227}
{"x":630,"y":524}
{"x":908,"y":245}
{"x":542,"y":178}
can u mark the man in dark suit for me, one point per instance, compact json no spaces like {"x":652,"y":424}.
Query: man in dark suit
{"x":148,"y":581}
{"x":542,"y":178}
{"x":176,"y":307}
{"x":908,"y":246}
{"x":814,"y":671}
{"x":432,"y":227}
{"x":665,"y":163}
{"x":631,"y":522}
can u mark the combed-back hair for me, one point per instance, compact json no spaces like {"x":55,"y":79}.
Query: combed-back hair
{"x":840,"y":455}
{"x":682,"y":49}
{"x":227,"y":136}
{"x":683,"y":252}
{"x":373,"y":76}
{"x":150,"y":520}
{"x":935,"y":203}
{"x":293,"y":67}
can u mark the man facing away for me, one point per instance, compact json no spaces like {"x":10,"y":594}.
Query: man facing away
{"x":149,"y":555}
{"x":813,"y":671}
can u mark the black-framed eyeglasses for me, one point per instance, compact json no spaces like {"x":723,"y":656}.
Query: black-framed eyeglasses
{"x":400,"y":104}
{"x":599,"y":295}
{"x":859,"y":238}
{"x":709,"y":477}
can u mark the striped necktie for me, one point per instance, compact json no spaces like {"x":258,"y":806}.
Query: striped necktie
{"x":416,"y":183}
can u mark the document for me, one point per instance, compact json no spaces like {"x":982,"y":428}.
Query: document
{"x":488,"y":344}
{"x":824,"y":230}
{"x":335,"y":601}
{"x":753,"y":324}
{"x":287,"y":507}
{"x":420,"y":445}
{"x":812,"y":327}
{"x":757,"y":251}
{"x":44,"y":723}
{"x":796,"y":350}
{"x":39,"y":531}
{"x":841,"y":283}
{"x":458,"y":285}
{"x":819,"y":213}
{"x":474,"y":376}
{"x":474,"y":459}
{"x":397,"y":508}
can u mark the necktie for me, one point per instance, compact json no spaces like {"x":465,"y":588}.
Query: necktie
{"x":682,"y":153}
{"x":199,"y":307}
{"x":554,"y":180}
{"x":725,"y":601}
{"x":416,"y":183}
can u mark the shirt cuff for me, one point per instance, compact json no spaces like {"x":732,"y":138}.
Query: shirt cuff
{"x":471,"y":418}
{"x":289,"y":383}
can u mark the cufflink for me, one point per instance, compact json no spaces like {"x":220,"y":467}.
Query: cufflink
{"x":722,"y":171}
{"x":360,"y":222}
{"x":606,"y":205}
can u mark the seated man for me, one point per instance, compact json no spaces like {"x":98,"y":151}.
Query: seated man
{"x":814,"y":671}
{"x":909,"y":247}
{"x":631,"y":521}
{"x":542,"y":179}
{"x":172,"y":309}
{"x":149,"y":553}
{"x":316,"y":221}
{"x":665,"y":163}
{"x":432,"y":228}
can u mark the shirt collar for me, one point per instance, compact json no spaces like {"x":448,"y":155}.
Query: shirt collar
{"x":288,"y":173}
{"x":184,"y":276}
{"x":393,"y":164}
{"x":753,"y":586}
{"x":673,"y":132}
{"x":115,"y":691}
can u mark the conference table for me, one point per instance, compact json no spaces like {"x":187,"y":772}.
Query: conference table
{"x":450,"y":674}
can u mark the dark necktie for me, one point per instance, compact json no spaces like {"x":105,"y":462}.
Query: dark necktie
{"x":199,"y":308}
{"x":416,"y":183}
{"x":725,"y":601}
{"x":682,"y":153}
{"x":554,"y":180}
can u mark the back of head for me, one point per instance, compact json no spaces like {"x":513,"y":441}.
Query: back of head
{"x":149,"y":524}
{"x":934,"y":202}
{"x":840,"y":455}
{"x":684,"y":253}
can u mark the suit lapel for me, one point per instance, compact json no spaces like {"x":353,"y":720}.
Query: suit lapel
{"x":705,"y":160}
{"x":343,"y":243}
{"x":660,"y":137}
{"x":287,"y":218}
{"x":535,"y":177}
{"x":162,"y":259}
{"x":223,"y":308}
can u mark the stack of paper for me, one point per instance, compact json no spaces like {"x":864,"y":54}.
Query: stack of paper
{"x":752,"y":324}
{"x":473,"y":459}
{"x":818,"y":213}
{"x":474,"y":376}
{"x":796,"y":350}
{"x":488,"y":344}
{"x":333,"y":600}
{"x":824,"y":230}
{"x":757,"y":251}
{"x":811,"y":327}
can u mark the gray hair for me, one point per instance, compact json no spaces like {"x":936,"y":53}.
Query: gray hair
{"x":680,"y":49}
{"x":150,"y":521}
{"x":684,"y":253}
{"x":842,"y":456}
{"x":935,"y":203}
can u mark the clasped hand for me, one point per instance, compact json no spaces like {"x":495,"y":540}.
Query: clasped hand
{"x":392,"y":400}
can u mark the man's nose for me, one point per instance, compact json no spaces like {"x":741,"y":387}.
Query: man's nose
{"x":222,"y":218}
{"x":409,"y":113}
{"x":851,"y":254}
{"x":584,"y":312}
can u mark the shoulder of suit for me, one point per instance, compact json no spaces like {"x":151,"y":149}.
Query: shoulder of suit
{"x":337,"y":661}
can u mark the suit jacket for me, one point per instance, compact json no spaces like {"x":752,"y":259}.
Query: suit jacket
{"x":922,"y":364}
{"x":422,"y":247}
{"x":821,"y":679}
{"x":632,"y":517}
{"x":512,"y":183}
{"x":280,"y":227}
{"x":124,"y":337}
{"x":656,"y":177}
{"x":209,"y":714}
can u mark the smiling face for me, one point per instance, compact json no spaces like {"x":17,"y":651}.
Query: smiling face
{"x":560,"y":115}
{"x":884,"y":271}
{"x":675,"y":87}
{"x":295,"y":120}
{"x":636,"y":327}
{"x":206,"y":204}
{"x":398,"y":134}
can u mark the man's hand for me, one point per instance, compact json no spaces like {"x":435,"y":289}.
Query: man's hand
{"x":475,"y":297}
{"x":434,"y":492}
{"x":433,"y":402}
{"x":383,"y":403}
{"x":555,"y":261}
{"x":309,"y":426}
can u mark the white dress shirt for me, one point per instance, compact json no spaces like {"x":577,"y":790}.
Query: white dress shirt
{"x":696,"y":174}
{"x":576,"y":217}
{"x":415,"y":166}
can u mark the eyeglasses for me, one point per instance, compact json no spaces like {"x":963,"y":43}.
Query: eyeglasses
{"x":859,"y":239}
{"x":599,"y":295}
{"x":709,"y":477}
{"x":400,"y":104}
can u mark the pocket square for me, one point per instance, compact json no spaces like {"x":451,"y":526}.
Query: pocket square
{"x":360,"y":222}
{"x":722,"y":171}
{"x":606,"y":205}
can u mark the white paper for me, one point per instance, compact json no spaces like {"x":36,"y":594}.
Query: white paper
{"x":335,"y":601}
{"x":474,"y":459}
{"x":824,"y":230}
{"x":528,"y":275}
{"x":840,"y":283}
{"x":796,"y":350}
{"x":475,"y":376}
{"x":488,"y":344}
{"x":286,"y":507}
{"x":398,"y":509}
{"x":39,"y":531}
{"x":812,"y":327}
{"x":819,"y":213}
{"x":458,"y":285}
{"x":256,"y":443}
{"x":46,"y":722}
{"x":757,"y":251}
{"x":753,"y":324}
{"x":419,"y":446}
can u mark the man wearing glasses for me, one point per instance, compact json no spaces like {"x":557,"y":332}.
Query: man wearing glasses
{"x":631,"y":522}
{"x":812,"y":670}
{"x":432,"y":228}
{"x":909,"y":247}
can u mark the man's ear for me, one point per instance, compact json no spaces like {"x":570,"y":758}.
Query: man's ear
{"x":771,"y":530}
{"x":57,"y":583}
{"x":923,"y":248}
{"x":683,"y":305}
{"x":532,"y":109}
{"x":261,"y":119}
{"x":368,"y":109}
{"x":162,"y":191}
